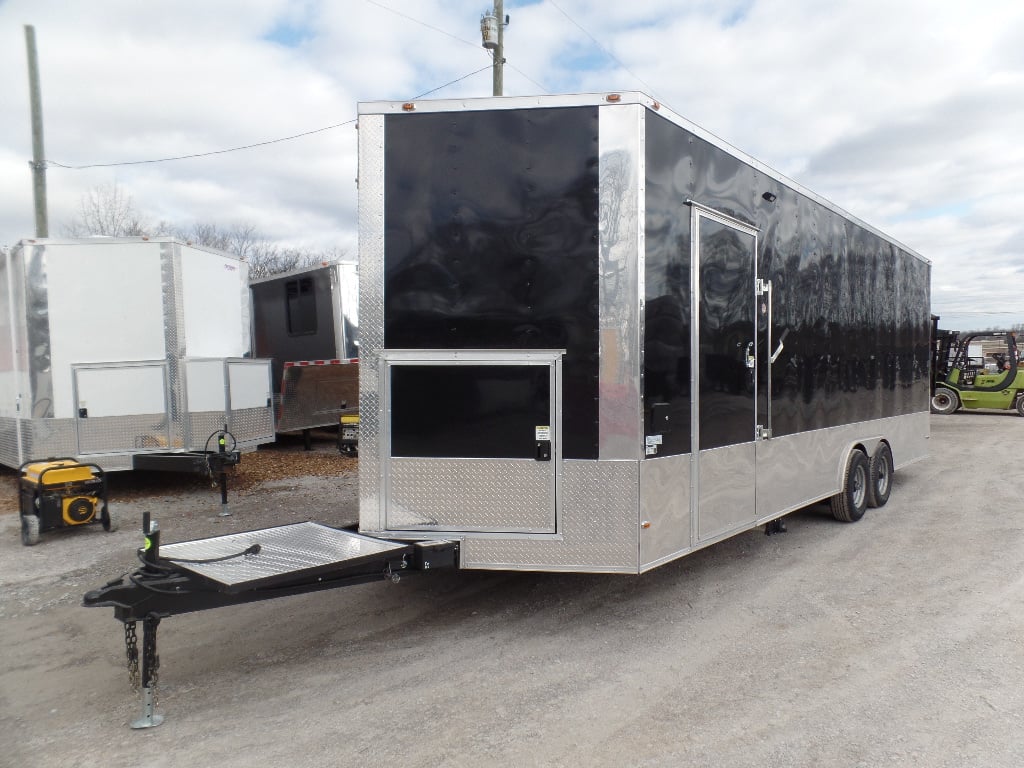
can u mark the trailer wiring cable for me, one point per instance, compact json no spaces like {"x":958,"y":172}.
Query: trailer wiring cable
{"x":253,"y":549}
{"x":215,"y":433}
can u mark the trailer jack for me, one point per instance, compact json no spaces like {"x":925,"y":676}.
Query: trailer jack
{"x":239,"y":568}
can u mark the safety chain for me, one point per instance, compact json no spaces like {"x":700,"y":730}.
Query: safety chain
{"x":131,"y":647}
{"x":150,"y":660}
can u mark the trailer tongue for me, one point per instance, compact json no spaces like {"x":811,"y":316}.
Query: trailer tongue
{"x":245,"y":567}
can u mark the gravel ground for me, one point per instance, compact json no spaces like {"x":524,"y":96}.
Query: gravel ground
{"x":895,"y":641}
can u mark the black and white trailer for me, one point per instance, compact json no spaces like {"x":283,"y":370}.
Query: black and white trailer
{"x":306,"y":321}
{"x":593,"y":338}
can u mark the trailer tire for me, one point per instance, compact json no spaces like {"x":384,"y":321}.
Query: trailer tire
{"x":880,"y":476}
{"x":1020,"y":405}
{"x":849,"y":505}
{"x":945,"y":401}
{"x":29,"y":530}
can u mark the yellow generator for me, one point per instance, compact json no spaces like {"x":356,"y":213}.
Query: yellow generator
{"x":60,"y":493}
{"x":348,"y":434}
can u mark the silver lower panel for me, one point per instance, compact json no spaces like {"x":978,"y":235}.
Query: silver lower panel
{"x":598,"y":526}
{"x":289,"y":550}
{"x":725,"y":489}
{"x":111,"y":441}
{"x":107,"y":434}
{"x":665,"y":491}
{"x":604,"y":502}
{"x":514,"y":495}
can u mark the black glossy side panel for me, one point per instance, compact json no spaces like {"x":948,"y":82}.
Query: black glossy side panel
{"x":666,"y":286}
{"x":856,"y":306}
{"x":468,"y":411}
{"x":491,"y":242}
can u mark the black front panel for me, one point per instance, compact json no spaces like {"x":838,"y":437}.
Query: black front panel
{"x":469,"y":411}
{"x":856,"y":306}
{"x":491,"y":242}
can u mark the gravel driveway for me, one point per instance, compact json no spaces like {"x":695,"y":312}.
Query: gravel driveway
{"x":895,"y":641}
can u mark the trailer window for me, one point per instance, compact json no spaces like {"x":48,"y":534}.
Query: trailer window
{"x":301,"y":301}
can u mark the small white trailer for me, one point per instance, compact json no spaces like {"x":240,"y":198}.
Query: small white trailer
{"x":122,"y":351}
{"x":306,"y":322}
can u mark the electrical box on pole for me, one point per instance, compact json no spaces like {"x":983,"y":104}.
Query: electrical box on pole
{"x":492,"y":31}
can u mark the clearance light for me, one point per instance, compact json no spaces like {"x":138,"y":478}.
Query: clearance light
{"x":613,"y":97}
{"x":408,"y":106}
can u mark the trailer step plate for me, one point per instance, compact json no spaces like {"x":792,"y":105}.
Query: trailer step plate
{"x":299,"y":550}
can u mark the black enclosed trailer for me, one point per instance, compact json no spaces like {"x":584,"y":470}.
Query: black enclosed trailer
{"x":306,"y":321}
{"x":594,"y":337}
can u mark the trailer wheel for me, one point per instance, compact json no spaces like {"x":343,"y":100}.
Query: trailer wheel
{"x":29,"y":530}
{"x":880,"y":476}
{"x":849,"y":505}
{"x":944,"y":401}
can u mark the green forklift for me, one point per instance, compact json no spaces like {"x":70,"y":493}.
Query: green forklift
{"x":993,"y":378}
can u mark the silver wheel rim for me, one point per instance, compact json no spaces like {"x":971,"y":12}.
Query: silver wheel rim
{"x":860,"y":486}
{"x":882,"y":485}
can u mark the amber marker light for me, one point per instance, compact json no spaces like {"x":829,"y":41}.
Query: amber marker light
{"x":409,"y":106}
{"x":613,"y":97}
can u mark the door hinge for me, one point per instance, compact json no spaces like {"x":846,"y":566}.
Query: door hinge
{"x":761,"y":287}
{"x":762,"y":432}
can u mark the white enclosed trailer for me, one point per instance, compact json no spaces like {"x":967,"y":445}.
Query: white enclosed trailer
{"x":116,"y":349}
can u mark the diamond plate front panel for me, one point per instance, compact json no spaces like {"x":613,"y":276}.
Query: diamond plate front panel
{"x":371,"y":315}
{"x":599,"y":526}
{"x":107,"y":434}
{"x":472,"y":495}
{"x":252,"y":426}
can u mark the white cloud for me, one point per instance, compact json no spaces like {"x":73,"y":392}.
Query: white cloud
{"x":907,"y":114}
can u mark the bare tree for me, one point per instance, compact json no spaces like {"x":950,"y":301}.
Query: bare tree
{"x":265,"y":257}
{"x":107,"y":210}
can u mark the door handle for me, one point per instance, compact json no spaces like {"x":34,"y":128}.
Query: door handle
{"x":778,"y":349}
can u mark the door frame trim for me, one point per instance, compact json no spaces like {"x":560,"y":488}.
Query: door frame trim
{"x":552,"y":358}
{"x":697,"y":211}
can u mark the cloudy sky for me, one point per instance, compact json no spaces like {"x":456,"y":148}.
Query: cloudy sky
{"x":907,"y":113}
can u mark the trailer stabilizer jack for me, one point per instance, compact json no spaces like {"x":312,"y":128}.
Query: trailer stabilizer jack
{"x":242,"y":568}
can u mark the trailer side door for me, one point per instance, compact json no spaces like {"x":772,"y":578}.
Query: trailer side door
{"x":725,"y":409}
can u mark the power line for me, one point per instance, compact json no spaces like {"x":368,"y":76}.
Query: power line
{"x":423,"y":23}
{"x":194,"y":155}
{"x":453,"y":82}
{"x":204,"y":154}
{"x":247,"y":146}
{"x":608,"y":53}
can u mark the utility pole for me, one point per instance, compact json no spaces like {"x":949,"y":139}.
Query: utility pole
{"x":38,"y":162}
{"x":492,"y":28}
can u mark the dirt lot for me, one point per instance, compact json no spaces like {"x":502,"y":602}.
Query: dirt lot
{"x":892,"y":642}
